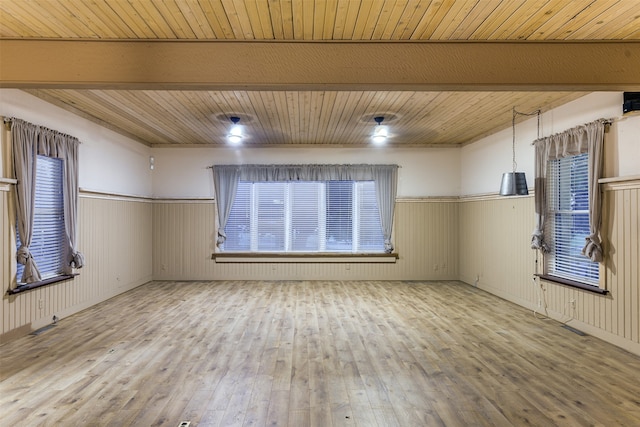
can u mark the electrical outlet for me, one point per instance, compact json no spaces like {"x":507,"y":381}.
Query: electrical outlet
{"x":40,"y":304}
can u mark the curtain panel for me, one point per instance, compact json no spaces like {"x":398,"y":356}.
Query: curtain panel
{"x":588,"y":138}
{"x":29,"y":141}
{"x":226,"y":178}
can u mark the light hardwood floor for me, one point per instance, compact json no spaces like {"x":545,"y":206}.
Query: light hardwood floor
{"x":314,"y":353}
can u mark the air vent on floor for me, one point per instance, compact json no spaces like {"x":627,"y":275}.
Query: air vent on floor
{"x":574,"y":330}
{"x":42,"y":330}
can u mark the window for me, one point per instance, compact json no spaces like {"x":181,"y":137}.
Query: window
{"x":567,"y":223}
{"x":305,"y":216}
{"x":48,"y":241}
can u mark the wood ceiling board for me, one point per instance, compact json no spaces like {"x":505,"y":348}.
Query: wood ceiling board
{"x":320,"y":118}
{"x":317,"y":19}
{"x":473,"y":19}
{"x":451,"y":20}
{"x":502,"y":20}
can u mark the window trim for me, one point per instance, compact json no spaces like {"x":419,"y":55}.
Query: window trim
{"x":297,"y":256}
{"x":43,"y":184}
{"x":304,"y":257}
{"x":385,"y":177}
{"x":600,"y":287}
{"x":573,"y":284}
{"x":34,"y":285}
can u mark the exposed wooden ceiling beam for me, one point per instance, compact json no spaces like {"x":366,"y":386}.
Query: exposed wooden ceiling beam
{"x":257,"y":65}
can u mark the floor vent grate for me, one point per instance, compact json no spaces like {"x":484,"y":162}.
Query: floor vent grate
{"x":42,"y":330}
{"x":574,"y":330}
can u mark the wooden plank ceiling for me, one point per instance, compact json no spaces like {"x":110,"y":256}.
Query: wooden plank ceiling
{"x":322,"y":117}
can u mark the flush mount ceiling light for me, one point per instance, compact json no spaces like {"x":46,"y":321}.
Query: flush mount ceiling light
{"x":235,"y":133}
{"x":380,"y":132}
{"x":515,"y":183}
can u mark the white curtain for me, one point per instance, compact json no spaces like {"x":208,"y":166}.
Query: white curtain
{"x":588,"y":138}
{"x":28,"y":141}
{"x":226,"y":178}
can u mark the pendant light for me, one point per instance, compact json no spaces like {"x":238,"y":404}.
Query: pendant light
{"x":235,"y":133}
{"x":515,"y":183}
{"x":379,"y":132}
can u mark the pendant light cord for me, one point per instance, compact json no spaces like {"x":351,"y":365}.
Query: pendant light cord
{"x":513,"y":127}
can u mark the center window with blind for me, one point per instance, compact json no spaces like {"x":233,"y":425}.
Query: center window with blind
{"x":567,"y":222}
{"x":305,"y":217}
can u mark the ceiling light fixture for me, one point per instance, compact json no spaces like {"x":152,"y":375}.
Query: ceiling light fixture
{"x":235,"y":133}
{"x":380,"y":132}
{"x":515,"y":183}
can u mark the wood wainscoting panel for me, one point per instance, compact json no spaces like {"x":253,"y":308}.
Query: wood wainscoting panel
{"x":115,"y":239}
{"x":425,"y":235}
{"x":495,"y":255}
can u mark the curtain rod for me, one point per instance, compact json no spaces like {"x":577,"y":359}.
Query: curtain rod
{"x":314,"y":164}
{"x":9,"y":121}
{"x":606,"y":122}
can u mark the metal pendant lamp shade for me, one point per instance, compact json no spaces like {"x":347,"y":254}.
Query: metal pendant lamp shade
{"x":514,"y":184}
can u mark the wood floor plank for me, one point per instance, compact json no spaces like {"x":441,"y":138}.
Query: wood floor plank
{"x":314,"y":353}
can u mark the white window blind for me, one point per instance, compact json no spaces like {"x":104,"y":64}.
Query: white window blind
{"x":268,"y":229}
{"x":369,"y":234}
{"x":48,"y":241}
{"x":567,"y":220}
{"x":307,"y":221}
{"x":341,"y":212}
{"x":332,"y":216}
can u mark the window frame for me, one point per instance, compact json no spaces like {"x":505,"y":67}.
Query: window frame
{"x":62,"y":254}
{"x":552,"y":210}
{"x":287,"y":251}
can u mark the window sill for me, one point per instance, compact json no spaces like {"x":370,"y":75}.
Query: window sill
{"x":573,"y":284}
{"x":35,"y":285}
{"x":240,"y":257}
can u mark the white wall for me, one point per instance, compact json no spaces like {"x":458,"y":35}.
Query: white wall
{"x":482,"y":163}
{"x":628,"y":158}
{"x":182,"y":172}
{"x":109,"y":162}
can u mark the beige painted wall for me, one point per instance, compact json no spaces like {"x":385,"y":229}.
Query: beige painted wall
{"x":115,"y":237}
{"x":495,"y":235}
{"x":426,"y":238}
